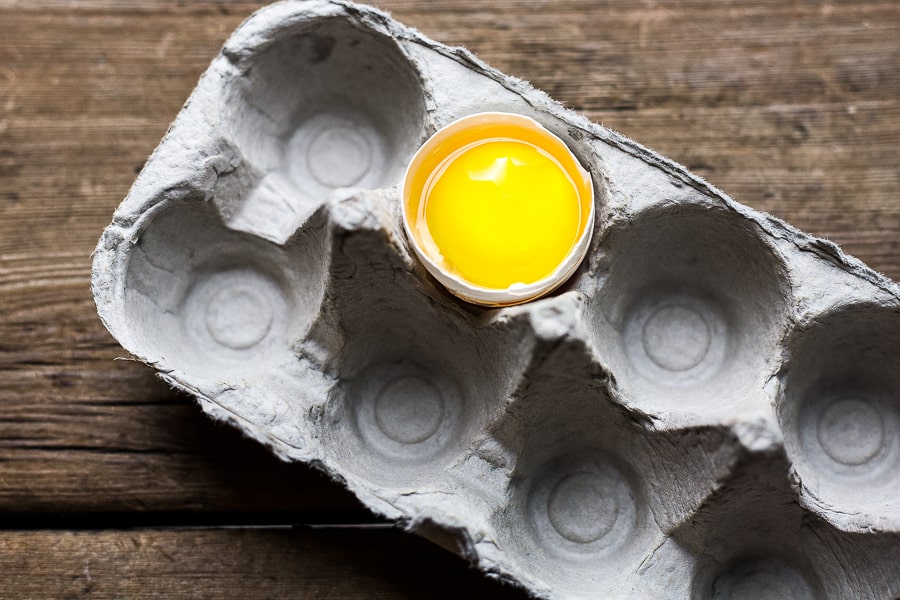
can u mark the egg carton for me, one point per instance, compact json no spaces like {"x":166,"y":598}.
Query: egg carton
{"x":709,"y":408}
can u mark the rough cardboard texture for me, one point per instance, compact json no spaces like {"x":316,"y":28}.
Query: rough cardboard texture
{"x":709,"y":408}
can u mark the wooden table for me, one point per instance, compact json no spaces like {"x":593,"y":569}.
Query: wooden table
{"x":113,"y":485}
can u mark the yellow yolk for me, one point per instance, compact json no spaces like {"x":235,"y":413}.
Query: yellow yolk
{"x":500,"y":211}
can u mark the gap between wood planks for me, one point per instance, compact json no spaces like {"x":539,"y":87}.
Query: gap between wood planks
{"x":177,"y":520}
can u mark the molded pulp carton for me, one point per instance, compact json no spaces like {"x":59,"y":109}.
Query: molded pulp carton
{"x":709,"y":408}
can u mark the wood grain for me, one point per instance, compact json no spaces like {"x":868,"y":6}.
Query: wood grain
{"x":791,"y":107}
{"x":236,"y":564}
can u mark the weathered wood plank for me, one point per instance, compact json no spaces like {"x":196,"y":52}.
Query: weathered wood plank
{"x":792,"y":108}
{"x":236,"y":564}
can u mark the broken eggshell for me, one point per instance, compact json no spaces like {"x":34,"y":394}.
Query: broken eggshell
{"x":468,"y":132}
{"x":706,"y":408}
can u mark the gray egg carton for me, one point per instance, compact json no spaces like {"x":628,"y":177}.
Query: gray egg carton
{"x":709,"y":408}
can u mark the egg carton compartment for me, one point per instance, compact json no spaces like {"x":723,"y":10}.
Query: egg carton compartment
{"x":689,"y":312}
{"x":417,"y":380}
{"x":751,"y":539}
{"x":708,"y":408}
{"x":839,"y":409}
{"x":592,"y":498}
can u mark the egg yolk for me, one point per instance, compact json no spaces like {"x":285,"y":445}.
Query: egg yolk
{"x":499,"y":212}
